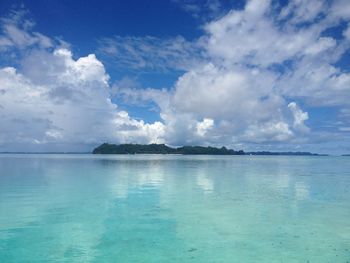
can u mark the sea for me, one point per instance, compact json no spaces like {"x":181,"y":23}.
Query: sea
{"x":174,"y":208}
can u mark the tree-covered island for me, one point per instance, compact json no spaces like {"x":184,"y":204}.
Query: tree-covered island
{"x":107,"y":148}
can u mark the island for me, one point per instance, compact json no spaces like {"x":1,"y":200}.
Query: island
{"x":107,"y":148}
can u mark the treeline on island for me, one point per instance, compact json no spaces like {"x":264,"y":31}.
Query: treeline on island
{"x":107,"y":148}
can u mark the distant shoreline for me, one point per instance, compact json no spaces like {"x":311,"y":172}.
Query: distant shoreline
{"x":107,"y":148}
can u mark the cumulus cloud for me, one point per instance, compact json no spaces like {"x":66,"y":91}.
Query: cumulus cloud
{"x":257,"y":61}
{"x":234,"y":98}
{"x":299,"y":117}
{"x":62,"y":100}
{"x":204,"y":126}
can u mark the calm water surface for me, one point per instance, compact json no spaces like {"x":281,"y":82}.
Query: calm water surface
{"x":156,"y":208}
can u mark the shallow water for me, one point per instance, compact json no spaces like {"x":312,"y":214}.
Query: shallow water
{"x":158,"y":208}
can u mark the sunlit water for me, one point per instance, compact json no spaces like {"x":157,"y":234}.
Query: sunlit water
{"x":158,"y":208}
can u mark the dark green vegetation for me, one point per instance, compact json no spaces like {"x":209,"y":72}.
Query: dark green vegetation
{"x":161,"y":149}
{"x":107,"y":148}
{"x":207,"y":150}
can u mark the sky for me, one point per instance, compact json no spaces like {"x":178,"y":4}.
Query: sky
{"x":253,"y":75}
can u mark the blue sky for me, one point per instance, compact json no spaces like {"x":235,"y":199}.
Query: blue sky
{"x":252,"y":75}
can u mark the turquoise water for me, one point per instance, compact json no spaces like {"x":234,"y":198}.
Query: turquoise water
{"x":156,"y":208}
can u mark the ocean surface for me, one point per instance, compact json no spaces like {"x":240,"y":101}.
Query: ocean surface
{"x":168,"y":208}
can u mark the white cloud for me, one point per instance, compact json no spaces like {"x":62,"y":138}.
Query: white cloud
{"x":299,"y":11}
{"x":340,"y":9}
{"x":317,"y":82}
{"x":299,"y":117}
{"x":59,"y":100}
{"x":149,"y":53}
{"x":255,"y":64}
{"x":204,"y":126}
{"x":17,"y":32}
{"x":201,"y":9}
{"x":234,"y":99}
{"x":268,"y":132}
{"x":252,"y":37}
